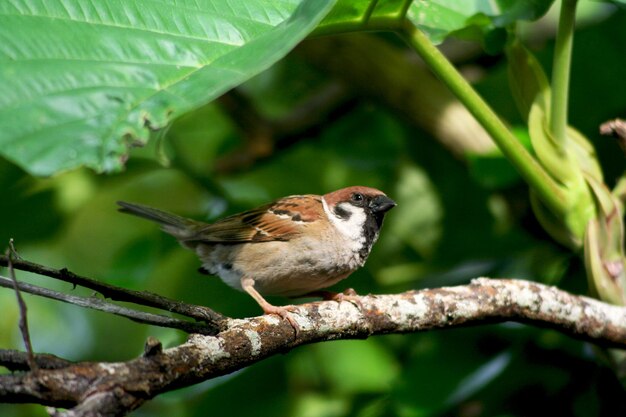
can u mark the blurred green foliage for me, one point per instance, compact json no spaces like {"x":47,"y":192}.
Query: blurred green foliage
{"x":450,"y":226}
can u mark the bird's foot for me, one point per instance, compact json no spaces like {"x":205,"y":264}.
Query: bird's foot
{"x":284,"y":312}
{"x":247,"y":284}
{"x":347,"y":295}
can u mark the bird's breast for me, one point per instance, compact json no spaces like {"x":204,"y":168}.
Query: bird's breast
{"x":292,"y":268}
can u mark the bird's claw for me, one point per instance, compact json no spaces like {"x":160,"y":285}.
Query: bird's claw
{"x":348,"y":295}
{"x":285,"y":313}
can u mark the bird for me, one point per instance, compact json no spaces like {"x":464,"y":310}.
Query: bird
{"x":294,"y":246}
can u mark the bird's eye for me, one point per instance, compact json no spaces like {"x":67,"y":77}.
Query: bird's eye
{"x":357,"y":197}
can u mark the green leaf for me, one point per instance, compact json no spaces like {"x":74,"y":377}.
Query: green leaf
{"x":555,"y":226}
{"x":82,"y":81}
{"x":584,"y":153}
{"x":552,"y":156}
{"x":605,"y":261}
{"x":471,"y":19}
{"x":352,"y":15}
{"x":568,"y":165}
{"x":526,"y":77}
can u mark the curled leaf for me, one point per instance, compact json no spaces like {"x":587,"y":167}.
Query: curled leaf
{"x":551,"y":154}
{"x":526,"y":77}
{"x":569,"y":164}
{"x":554,"y":225}
{"x":584,"y":153}
{"x":604,"y":248}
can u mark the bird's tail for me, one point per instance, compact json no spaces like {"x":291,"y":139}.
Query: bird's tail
{"x":177,"y":226}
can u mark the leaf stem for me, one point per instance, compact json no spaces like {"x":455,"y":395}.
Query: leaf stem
{"x":561,"y":71}
{"x":537,"y":178}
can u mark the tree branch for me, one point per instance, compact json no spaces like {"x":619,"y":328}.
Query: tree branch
{"x":101,"y":305}
{"x":214,"y":320}
{"x":113,"y":389}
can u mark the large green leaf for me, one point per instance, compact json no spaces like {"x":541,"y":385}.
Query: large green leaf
{"x":470,"y":19}
{"x":82,"y":80}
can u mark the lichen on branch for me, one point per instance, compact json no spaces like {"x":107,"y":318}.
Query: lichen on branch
{"x":113,"y":389}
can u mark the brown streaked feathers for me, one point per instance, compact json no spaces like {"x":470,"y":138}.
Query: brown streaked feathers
{"x":271,"y":222}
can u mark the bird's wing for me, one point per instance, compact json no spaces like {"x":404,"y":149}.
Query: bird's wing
{"x":280,"y":220}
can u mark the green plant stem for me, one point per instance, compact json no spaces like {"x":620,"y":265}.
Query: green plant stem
{"x":548,"y":191}
{"x":561,"y":71}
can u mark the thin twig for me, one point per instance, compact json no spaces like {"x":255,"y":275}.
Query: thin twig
{"x":23,"y":323}
{"x":213,"y":319}
{"x":101,"y":305}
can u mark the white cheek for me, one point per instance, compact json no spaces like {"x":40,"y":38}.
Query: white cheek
{"x":352,"y":228}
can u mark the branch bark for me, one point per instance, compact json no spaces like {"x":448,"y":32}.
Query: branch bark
{"x":114,"y":389}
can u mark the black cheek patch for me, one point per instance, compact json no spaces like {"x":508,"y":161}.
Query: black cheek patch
{"x":370,"y":232}
{"x":342,"y":213}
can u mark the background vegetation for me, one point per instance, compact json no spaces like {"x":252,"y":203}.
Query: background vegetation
{"x":312,"y":124}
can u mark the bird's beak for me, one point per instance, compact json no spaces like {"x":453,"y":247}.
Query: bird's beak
{"x":382,"y":204}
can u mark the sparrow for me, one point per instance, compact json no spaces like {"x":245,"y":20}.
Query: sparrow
{"x":294,"y":246}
